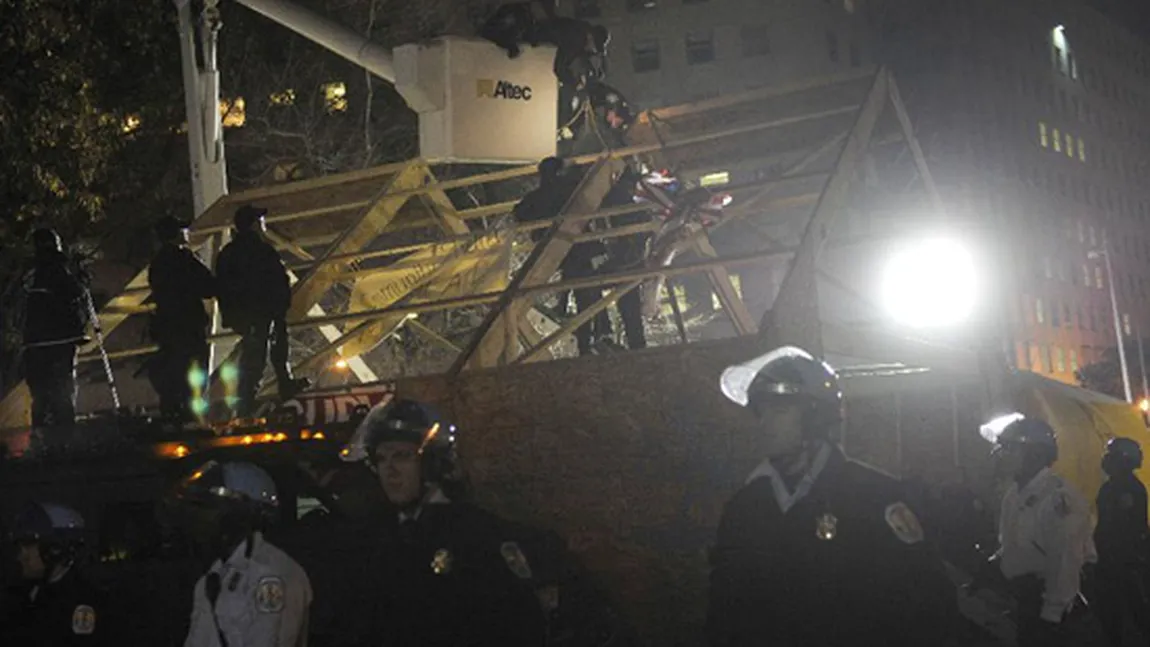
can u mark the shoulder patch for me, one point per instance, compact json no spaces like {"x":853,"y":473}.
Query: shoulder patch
{"x":904,"y":523}
{"x":83,"y":620}
{"x":270,"y":595}
{"x":516,"y":560}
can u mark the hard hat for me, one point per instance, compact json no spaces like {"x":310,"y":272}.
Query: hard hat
{"x":407,"y":421}
{"x":232,"y":482}
{"x":170,"y":227}
{"x":1017,"y":429}
{"x":45,"y":239}
{"x":1124,"y":452}
{"x":785,"y":371}
{"x":248,"y":215}
{"x":48,"y":522}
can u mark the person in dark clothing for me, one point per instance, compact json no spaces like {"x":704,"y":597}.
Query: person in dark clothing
{"x":817,"y":550}
{"x":55,"y":604}
{"x":1121,"y":541}
{"x":254,"y":296}
{"x":546,"y":202}
{"x":581,"y":53}
{"x":180,"y":282}
{"x":628,"y":253}
{"x":56,"y":318}
{"x":515,"y":23}
{"x":445,"y":573}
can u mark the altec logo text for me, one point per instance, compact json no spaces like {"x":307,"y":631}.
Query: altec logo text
{"x":492,"y":89}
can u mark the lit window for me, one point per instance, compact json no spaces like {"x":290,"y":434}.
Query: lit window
{"x":756,"y":40}
{"x":335,"y":96}
{"x":1073,"y":360}
{"x":1069,"y":145}
{"x":1081,"y":232}
{"x":1081,"y":150}
{"x":1057,"y":140}
{"x":1085,"y":275}
{"x":1059,"y":361}
{"x":641,"y":5}
{"x":700,"y":48}
{"x":233,"y":113}
{"x":131,"y":123}
{"x":645,"y":55}
{"x":1046,"y":359}
{"x":1039,"y":311}
{"x":1098,"y":277}
{"x":1042,"y":135}
{"x":1126,"y":324}
{"x":284,"y":98}
{"x":718,"y":178}
{"x":1093,"y":240}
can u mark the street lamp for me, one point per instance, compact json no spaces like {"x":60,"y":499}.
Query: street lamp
{"x":1104,"y":254}
{"x":930,"y":283}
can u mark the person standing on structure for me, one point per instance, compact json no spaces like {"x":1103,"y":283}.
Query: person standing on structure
{"x":817,"y":550}
{"x":55,"y":323}
{"x":255,"y":295}
{"x":516,"y":23}
{"x":1043,"y":530}
{"x":1121,"y":540}
{"x":254,"y":594}
{"x":180,"y":282}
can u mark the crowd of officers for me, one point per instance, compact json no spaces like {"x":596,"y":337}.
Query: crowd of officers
{"x":250,"y":283}
{"x":815,"y":550}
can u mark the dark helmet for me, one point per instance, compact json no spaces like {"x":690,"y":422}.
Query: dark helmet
{"x":170,"y":228}
{"x":247,"y":216}
{"x":56,"y":529}
{"x":233,"y":485}
{"x":46,"y":240}
{"x":1018,"y":430}
{"x":550,"y":167}
{"x":788,"y":372}
{"x":601,"y":37}
{"x":1123,"y":455}
{"x":406,"y":421}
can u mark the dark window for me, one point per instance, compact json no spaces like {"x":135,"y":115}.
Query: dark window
{"x":856,"y":58}
{"x":642,"y":5}
{"x":700,"y":48}
{"x":645,"y":55}
{"x":833,"y":46}
{"x":587,"y":9}
{"x":756,"y":40}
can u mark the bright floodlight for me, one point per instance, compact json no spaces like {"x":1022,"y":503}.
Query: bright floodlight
{"x":930,"y":283}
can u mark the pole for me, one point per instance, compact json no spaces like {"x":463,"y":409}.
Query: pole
{"x":1142,"y":364}
{"x":1117,"y":324}
{"x":202,"y":103}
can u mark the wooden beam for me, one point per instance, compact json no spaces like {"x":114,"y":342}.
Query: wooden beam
{"x":732,"y":301}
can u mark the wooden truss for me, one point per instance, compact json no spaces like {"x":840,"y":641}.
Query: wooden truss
{"x":376,"y":249}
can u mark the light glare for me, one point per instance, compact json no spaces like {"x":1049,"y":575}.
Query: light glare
{"x":931,"y":283}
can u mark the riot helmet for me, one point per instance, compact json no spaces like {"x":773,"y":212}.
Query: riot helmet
{"x":171,"y":229}
{"x":600,"y":38}
{"x":235,"y":486}
{"x":248,"y":216}
{"x":1123,"y":455}
{"x":789,"y":372}
{"x":1017,"y":431}
{"x":406,"y":421}
{"x":549,"y":169}
{"x":57,"y":531}
{"x":46,"y":241}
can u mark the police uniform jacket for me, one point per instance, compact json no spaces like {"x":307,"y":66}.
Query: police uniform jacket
{"x":1121,"y":533}
{"x":180,"y":282}
{"x":253,"y":282}
{"x":1044,"y":531}
{"x":839,"y":560}
{"x":454,"y":575}
{"x":70,"y":611}
{"x":56,"y":307}
{"x":263,"y":600}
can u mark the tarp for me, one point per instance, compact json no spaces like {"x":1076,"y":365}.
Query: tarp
{"x":1084,"y":421}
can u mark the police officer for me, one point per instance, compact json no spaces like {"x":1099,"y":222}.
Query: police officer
{"x":628,"y":252}
{"x":55,"y":605}
{"x":581,"y":50}
{"x":515,"y":23}
{"x":255,"y":295}
{"x":817,"y":550}
{"x":450,"y":573}
{"x":546,"y":202}
{"x":1120,"y":538}
{"x":56,"y":317}
{"x":180,"y":282}
{"x":254,"y":594}
{"x":1043,"y":529}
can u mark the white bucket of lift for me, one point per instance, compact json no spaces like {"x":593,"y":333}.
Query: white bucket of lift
{"x":477,"y":105}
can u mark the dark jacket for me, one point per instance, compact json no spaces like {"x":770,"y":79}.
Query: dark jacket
{"x":451,"y":578}
{"x":180,"y":282}
{"x":252,"y":281}
{"x":56,"y":305}
{"x":1120,"y":536}
{"x":68,"y":612}
{"x":844,"y":566}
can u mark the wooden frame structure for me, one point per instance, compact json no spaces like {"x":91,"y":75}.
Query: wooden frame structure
{"x":374,"y":249}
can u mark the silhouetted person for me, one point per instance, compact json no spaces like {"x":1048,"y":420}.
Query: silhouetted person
{"x":180,"y":282}
{"x":56,"y":318}
{"x":628,"y":253}
{"x":255,"y":295}
{"x":582,"y":49}
{"x":1121,"y":540}
{"x":515,"y":23}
